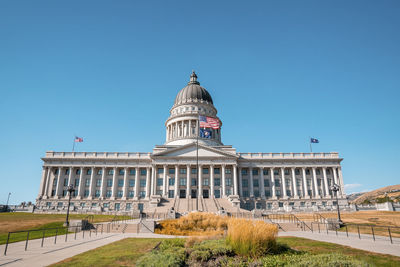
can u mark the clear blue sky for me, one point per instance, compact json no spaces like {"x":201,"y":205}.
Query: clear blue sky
{"x":278,"y":71}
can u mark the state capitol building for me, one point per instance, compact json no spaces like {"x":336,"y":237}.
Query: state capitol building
{"x":168,"y":178}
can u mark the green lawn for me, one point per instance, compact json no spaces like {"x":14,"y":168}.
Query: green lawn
{"x":20,"y":221}
{"x":317,"y":247}
{"x":126,"y":252}
{"x":121,"y":253}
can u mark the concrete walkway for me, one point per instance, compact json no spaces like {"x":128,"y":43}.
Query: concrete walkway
{"x":381,"y":244}
{"x":52,"y":253}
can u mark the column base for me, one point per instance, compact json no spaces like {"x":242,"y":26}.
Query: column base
{"x":123,"y":198}
{"x":112,"y":198}
{"x":274,"y":198}
{"x":306,"y":197}
{"x":296,"y":197}
{"x":90,"y":198}
{"x":78,"y":197}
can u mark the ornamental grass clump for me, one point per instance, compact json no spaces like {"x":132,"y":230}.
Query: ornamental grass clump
{"x":196,"y":223}
{"x":251,"y":238}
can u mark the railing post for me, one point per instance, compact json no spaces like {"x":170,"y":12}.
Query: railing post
{"x":319,"y":229}
{"x":55,"y":238}
{"x":66,"y":234}
{"x":373,"y":233}
{"x":326,"y":226}
{"x":358,"y":229}
{"x":42,"y":238}
{"x":8,"y":239}
{"x":336,"y":230}
{"x":347,"y":232}
{"x":27,"y":238}
{"x":75,"y":232}
{"x":83,"y":234}
{"x":390,"y":235}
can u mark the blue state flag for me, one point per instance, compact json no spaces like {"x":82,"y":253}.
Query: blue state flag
{"x":205,"y":133}
{"x":314,"y":140}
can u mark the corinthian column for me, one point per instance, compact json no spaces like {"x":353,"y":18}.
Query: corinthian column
{"x":273,"y":183}
{"x":187,"y":181}
{"x":200,"y":193}
{"x":283,"y":182}
{"x":294,"y":183}
{"x":223,"y":181}
{"x":235,"y":183}
{"x":211,"y":180}
{"x":325,"y":183}
{"x":315,"y":183}
{"x":125,"y":187}
{"x":176,"y":180}
{"x":305,"y":183}
{"x":251,"y":182}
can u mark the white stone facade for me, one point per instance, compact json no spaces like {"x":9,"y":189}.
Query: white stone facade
{"x":125,"y":182}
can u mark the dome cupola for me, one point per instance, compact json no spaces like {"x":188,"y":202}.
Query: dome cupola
{"x":193,"y":93}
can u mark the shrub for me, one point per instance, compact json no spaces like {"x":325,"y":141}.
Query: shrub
{"x":169,"y":258}
{"x":208,"y":251}
{"x":251,"y":238}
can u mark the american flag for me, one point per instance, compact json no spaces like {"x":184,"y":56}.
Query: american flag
{"x":78,"y":139}
{"x":208,"y":122}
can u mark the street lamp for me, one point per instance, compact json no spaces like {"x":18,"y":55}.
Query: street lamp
{"x":335,"y":188}
{"x":70,"y":190}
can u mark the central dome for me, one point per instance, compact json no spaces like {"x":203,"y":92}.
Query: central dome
{"x":193,"y":92}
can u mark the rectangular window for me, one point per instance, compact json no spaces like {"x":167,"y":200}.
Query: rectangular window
{"x":55,"y":182}
{"x":278,"y":193}
{"x":94,"y":205}
{"x":217,"y":181}
{"x":266,"y":182}
{"x":159,"y":181}
{"x":171,"y":181}
{"x":160,"y":170}
{"x":59,"y":204}
{"x":255,"y":183}
{"x":194,"y":171}
{"x":98,"y":182}
{"x":121,"y":172}
{"x":182,"y":181}
{"x":119,"y":193}
{"x":217,"y":171}
{"x":106,"y":205}
{"x":308,"y":182}
{"x":132,"y":171}
{"x":298,"y":182}
{"x":108,"y":193}
{"x":228,"y":181}
{"x":78,"y":171}
{"x":143,"y":172}
{"x":65,"y":182}
{"x":228,"y":191}
{"x":287,"y":181}
{"x":286,"y":171}
{"x":76,"y":182}
{"x":307,"y":172}
{"x":228,"y":171}
{"x":131,"y":182}
{"x":117,"y":206}
{"x":265,"y":172}
{"x":217,"y":193}
{"x":319,"y":182}
{"x":86,"y":194}
{"x":109,"y":182}
{"x":142,"y":182}
{"x":267,"y":193}
{"x":131,"y":194}
{"x":170,"y":193}
{"x":318,"y":172}
{"x":87,"y":182}
{"x":244,"y":171}
{"x":277,"y":182}
{"x":194,"y":181}
{"x":97,"y":193}
{"x":328,"y":171}
{"x":255,"y":171}
{"x":288,"y":193}
{"x":56,"y":171}
{"x":120,"y":182}
{"x":66,"y":171}
{"x":99,"y":172}
{"x":128,"y":206}
{"x":245,"y":183}
{"x":89,"y":171}
{"x":297,"y":172}
{"x":205,"y":181}
{"x":276,"y":172}
{"x":53,"y":193}
{"x":245,"y":193}
{"x":302,"y":204}
{"x":256,"y":193}
{"x":171,"y":171}
{"x":48,"y":204}
{"x":182,"y":171}
{"x":205,"y":171}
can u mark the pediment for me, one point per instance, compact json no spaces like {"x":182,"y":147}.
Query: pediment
{"x":190,"y":151}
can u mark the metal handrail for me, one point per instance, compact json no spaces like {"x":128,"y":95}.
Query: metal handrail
{"x":57,"y":229}
{"x":346,"y":225}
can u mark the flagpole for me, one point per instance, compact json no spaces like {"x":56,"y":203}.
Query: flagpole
{"x":309,"y":140}
{"x":73,"y":145}
{"x":197,"y":161}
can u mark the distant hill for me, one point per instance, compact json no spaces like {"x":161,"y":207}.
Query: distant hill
{"x":378,"y":195}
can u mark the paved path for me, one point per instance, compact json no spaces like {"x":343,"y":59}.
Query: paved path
{"x":380,"y":245}
{"x":52,"y":253}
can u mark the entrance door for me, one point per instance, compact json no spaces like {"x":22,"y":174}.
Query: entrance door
{"x":194,"y":193}
{"x":205,"y":193}
{"x":182,"y":193}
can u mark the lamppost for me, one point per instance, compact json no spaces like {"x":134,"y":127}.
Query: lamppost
{"x":70,"y":191}
{"x":9,"y":194}
{"x":335,"y":188}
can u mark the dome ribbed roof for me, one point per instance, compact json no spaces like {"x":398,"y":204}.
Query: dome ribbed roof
{"x":193,"y":92}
